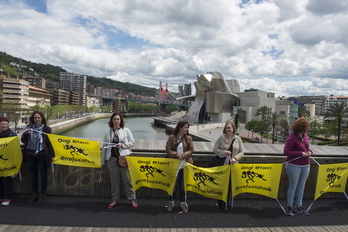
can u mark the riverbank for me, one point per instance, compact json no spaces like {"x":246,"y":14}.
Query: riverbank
{"x":61,"y":127}
{"x":209,"y":132}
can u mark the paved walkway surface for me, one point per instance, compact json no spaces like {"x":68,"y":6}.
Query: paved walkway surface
{"x":92,"y":212}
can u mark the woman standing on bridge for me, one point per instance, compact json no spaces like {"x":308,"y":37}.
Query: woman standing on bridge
{"x":229,"y":147}
{"x":39,"y":154}
{"x":123,"y":139}
{"x":180,"y":146}
{"x":6,"y":182}
{"x":297,"y":166}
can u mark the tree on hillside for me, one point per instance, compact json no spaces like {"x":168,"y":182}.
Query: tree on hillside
{"x":337,"y":111}
{"x":263,"y":112}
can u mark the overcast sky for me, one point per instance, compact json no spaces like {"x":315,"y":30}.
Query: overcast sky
{"x":289,"y":47}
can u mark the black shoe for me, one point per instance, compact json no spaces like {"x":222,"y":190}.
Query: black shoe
{"x":222,"y":206}
{"x":300,"y":210}
{"x":41,"y":200}
{"x":33,"y":198}
{"x":289,"y":211}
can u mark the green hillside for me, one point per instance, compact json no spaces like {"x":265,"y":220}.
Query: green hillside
{"x":51,"y":72}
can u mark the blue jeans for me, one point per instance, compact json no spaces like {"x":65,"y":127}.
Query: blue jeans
{"x":36,"y":164}
{"x":179,"y":183}
{"x":297,"y":180}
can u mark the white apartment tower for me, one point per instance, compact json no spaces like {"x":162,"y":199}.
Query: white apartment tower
{"x":74,"y":82}
{"x":331,"y":100}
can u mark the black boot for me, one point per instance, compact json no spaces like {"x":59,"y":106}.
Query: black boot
{"x":222,"y":206}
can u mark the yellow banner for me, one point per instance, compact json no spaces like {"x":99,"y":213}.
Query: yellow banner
{"x":157,"y":173}
{"x":10,"y":156}
{"x":331,"y":178}
{"x":75,"y":151}
{"x":208,"y":182}
{"x":260,"y":179}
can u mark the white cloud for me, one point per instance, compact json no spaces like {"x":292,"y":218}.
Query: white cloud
{"x":283,"y":46}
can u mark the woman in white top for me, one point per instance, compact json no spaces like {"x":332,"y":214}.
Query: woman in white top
{"x":230,"y":146}
{"x":123,"y":139}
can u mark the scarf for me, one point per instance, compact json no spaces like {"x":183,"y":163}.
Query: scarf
{"x":36,"y":139}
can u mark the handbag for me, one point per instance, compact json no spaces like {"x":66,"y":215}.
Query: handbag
{"x":122,"y":161}
{"x":217,"y":161}
{"x":220,"y":160}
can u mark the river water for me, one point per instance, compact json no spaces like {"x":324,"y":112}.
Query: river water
{"x":140,"y":127}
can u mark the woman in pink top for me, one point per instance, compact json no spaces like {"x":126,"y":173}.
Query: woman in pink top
{"x":298,"y":152}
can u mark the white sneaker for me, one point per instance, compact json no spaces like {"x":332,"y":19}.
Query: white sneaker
{"x":6,"y":202}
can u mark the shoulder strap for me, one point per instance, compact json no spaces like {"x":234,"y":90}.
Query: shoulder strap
{"x":230,"y":148}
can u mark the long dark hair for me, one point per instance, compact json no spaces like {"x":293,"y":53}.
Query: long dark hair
{"x":111,"y":124}
{"x":43,"y":119}
{"x":180,"y":124}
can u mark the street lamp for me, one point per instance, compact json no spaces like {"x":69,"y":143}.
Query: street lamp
{"x":73,"y":114}
{"x":58,"y":116}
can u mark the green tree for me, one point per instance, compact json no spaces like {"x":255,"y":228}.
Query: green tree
{"x":251,"y":126}
{"x":337,"y":111}
{"x":263,"y":112}
{"x":93,"y":109}
{"x":171,"y":108}
{"x":262,"y":127}
{"x":329,"y":129}
{"x":284,"y":126}
{"x":274,"y":120}
{"x":48,"y":111}
{"x":241,"y":116}
{"x":315,"y":129}
{"x":303,"y":112}
{"x":13,"y":111}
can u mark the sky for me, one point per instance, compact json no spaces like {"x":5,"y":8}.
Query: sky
{"x":288,"y":47}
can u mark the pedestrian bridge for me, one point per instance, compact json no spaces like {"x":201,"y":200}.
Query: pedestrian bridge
{"x":82,"y":181}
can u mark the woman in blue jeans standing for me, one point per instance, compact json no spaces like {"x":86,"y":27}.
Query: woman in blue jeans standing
{"x":180,"y":146}
{"x":298,"y":165}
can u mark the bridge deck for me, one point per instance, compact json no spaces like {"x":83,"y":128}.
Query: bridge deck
{"x":251,"y":149}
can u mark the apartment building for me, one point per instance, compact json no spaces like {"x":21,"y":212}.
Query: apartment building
{"x":94,"y":101}
{"x":74,"y":82}
{"x":318,"y":100}
{"x":15,"y":92}
{"x":330,"y":100}
{"x":38,"y":96}
{"x":35,"y":81}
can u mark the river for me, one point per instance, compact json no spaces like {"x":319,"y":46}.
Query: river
{"x":140,"y":127}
